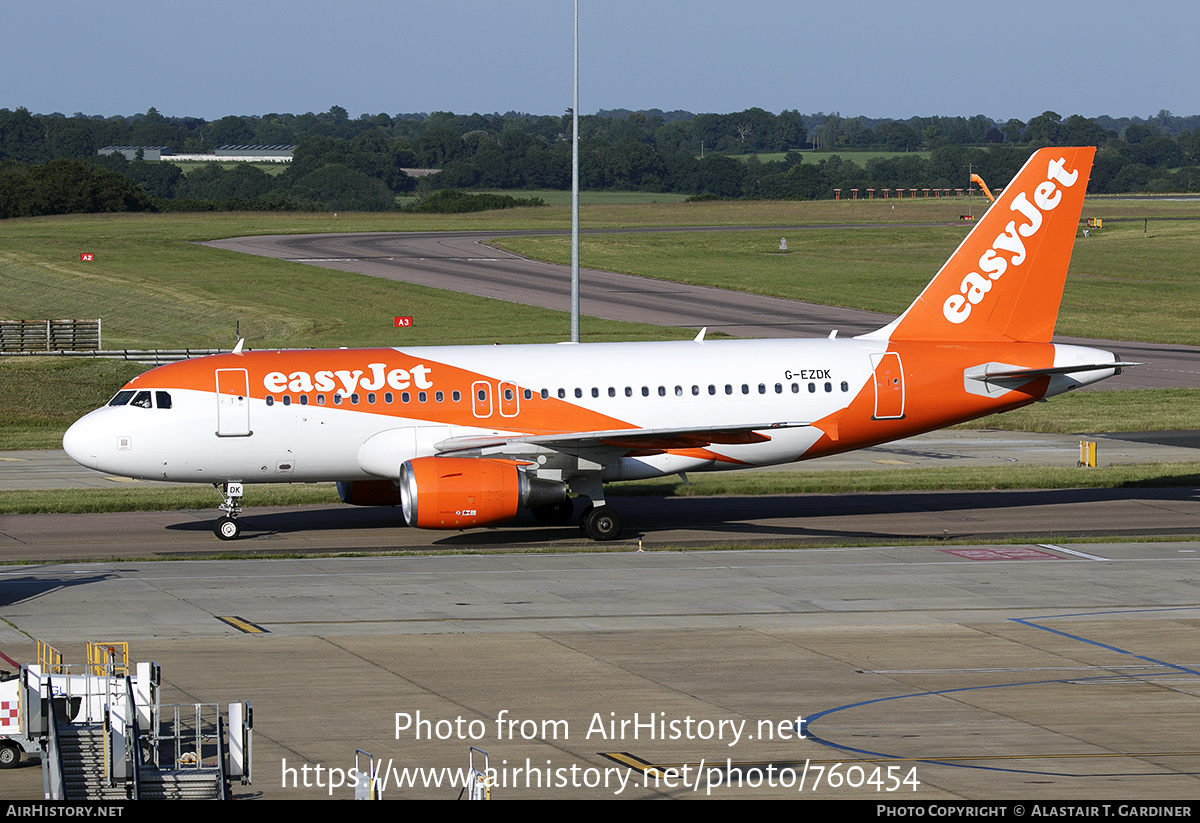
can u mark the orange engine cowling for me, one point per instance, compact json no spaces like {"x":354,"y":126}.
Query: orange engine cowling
{"x":461,"y":492}
{"x":369,"y":492}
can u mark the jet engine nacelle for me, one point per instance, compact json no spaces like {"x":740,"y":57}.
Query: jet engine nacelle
{"x":369,"y":492}
{"x":461,"y":492}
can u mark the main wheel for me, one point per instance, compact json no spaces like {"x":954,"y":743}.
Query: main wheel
{"x":10,"y":755}
{"x":603,"y":523}
{"x":554,"y":514}
{"x":584,"y":515}
{"x":227,"y":528}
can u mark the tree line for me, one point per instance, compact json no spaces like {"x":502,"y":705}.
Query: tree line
{"x":359,"y":164}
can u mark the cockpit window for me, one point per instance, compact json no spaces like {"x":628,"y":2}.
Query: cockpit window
{"x":142,"y":400}
{"x":121,"y":397}
{"x":162,"y":399}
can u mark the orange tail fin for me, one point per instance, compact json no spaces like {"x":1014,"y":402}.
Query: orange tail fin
{"x":1005,"y":281}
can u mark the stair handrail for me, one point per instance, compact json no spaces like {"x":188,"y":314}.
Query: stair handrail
{"x":53,"y":783}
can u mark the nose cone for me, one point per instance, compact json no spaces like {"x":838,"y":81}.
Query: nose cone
{"x":82,"y":440}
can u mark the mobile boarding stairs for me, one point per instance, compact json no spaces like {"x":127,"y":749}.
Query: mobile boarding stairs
{"x":103,"y":734}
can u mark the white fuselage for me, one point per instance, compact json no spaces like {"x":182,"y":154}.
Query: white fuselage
{"x":380,"y":407}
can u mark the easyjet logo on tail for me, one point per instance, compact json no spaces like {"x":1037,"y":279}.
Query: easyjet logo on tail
{"x":1046,"y":197}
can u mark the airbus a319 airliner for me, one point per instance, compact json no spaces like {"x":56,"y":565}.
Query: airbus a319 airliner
{"x":464,"y":436}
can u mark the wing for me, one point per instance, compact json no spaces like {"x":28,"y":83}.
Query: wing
{"x":640,"y":440}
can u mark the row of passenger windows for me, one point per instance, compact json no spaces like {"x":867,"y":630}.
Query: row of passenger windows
{"x":142,"y":399}
{"x":355,"y":399}
{"x":455,"y":396}
{"x":696,"y":392}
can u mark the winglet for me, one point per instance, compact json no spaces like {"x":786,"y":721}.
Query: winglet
{"x":1005,"y":281}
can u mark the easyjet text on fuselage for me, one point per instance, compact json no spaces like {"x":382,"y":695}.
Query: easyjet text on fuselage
{"x":346,"y":381}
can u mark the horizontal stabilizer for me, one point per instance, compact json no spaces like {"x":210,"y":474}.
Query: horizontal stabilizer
{"x":994,"y":372}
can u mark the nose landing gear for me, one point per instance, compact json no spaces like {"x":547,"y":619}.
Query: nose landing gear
{"x":227,"y":527}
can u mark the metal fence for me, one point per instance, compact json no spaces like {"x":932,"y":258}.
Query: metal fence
{"x":49,"y":335}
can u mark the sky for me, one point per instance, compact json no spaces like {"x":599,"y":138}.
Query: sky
{"x":874,"y":58}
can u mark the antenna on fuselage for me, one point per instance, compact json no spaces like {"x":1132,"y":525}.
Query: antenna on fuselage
{"x":238,"y":348}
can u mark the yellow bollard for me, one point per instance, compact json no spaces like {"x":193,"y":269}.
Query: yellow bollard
{"x":1087,"y":453}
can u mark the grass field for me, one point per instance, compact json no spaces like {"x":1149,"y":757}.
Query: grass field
{"x":155,"y":288}
{"x":40,"y":397}
{"x":1122,"y":284}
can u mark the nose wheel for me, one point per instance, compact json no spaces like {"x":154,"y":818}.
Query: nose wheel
{"x":227,"y":527}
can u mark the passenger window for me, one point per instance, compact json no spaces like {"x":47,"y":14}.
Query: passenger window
{"x":845,"y":386}
{"x":457,"y":395}
{"x":438,"y":396}
{"x":405,"y":397}
{"x":388,"y":397}
{"x":270,"y":400}
{"x":304,"y":400}
{"x":320,"y":400}
{"x":287,"y":400}
{"x":422,"y":397}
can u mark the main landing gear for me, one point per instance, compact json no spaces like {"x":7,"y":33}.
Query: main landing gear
{"x":600,"y":522}
{"x":597,"y":522}
{"x":227,"y":527}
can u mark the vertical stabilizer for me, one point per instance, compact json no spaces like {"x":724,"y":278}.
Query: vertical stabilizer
{"x":1005,"y":281}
